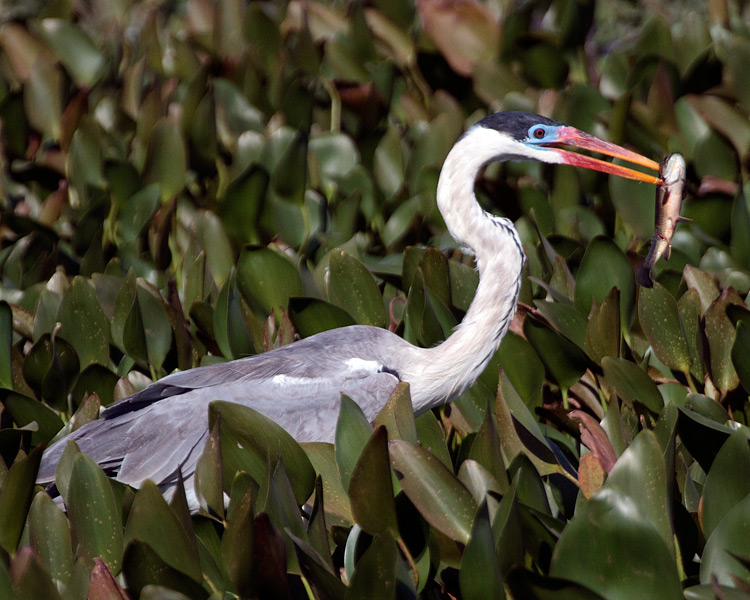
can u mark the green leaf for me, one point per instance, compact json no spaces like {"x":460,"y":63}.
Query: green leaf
{"x":49,"y":536}
{"x":241,"y":207}
{"x":74,"y":48}
{"x":6,"y":345}
{"x":84,"y":324}
{"x":156,"y":325}
{"x":741,"y":354}
{"x":609,"y":548}
{"x":632,"y":384}
{"x":603,"y":267}
{"x":398,"y":415}
{"x":95,"y":520}
{"x":741,"y":229}
{"x":370,"y":487}
{"x":730,"y":537}
{"x":352,"y":432}
{"x":702,"y":437}
{"x":266,"y":279}
{"x":535,"y":586}
{"x":251,"y":442}
{"x":660,"y":320}
{"x":375,"y":574}
{"x":351,"y":286}
{"x":523,"y":366}
{"x":486,"y":450}
{"x":15,"y":497}
{"x":479,"y":576}
{"x":142,"y":566}
{"x":728,"y":481}
{"x":50,"y":368}
{"x":564,"y":361}
{"x":25,"y":410}
{"x":436,"y":492}
{"x":323,"y":457}
{"x":150,"y":520}
{"x":603,"y":329}
{"x":720,"y":335}
{"x":311,"y":316}
{"x":209,"y":484}
{"x":388,"y":163}
{"x":640,"y":474}
{"x":30,"y":578}
{"x":166,"y":162}
{"x":237,"y":545}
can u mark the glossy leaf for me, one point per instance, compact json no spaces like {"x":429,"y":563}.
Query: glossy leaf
{"x":251,"y":442}
{"x":351,"y":287}
{"x":564,"y":361}
{"x":352,"y":432}
{"x":311,"y":316}
{"x":49,"y":536}
{"x":375,"y":574}
{"x":95,"y":522}
{"x":633,"y":385}
{"x":729,"y":539}
{"x":6,"y":339}
{"x":720,"y":337}
{"x":441,"y":499}
{"x":15,"y":498}
{"x":660,"y":320}
{"x":370,"y":488}
{"x":398,"y":415}
{"x":165,"y":159}
{"x":609,"y":526}
{"x":266,"y":279}
{"x":479,"y":575}
{"x":84,"y":324}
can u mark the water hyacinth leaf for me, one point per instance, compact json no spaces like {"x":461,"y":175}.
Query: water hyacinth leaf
{"x":535,"y":586}
{"x":479,"y":576}
{"x":290,"y":170}
{"x":102,"y":585}
{"x":323,"y":458}
{"x":702,"y":437}
{"x":94,"y":379}
{"x":142,"y":566}
{"x":157,"y":328}
{"x":312,"y":315}
{"x":127,"y":322}
{"x":603,"y":267}
{"x":25,"y":411}
{"x":703,"y":284}
{"x":388,"y":163}
{"x":741,"y":354}
{"x":84,"y":324}
{"x":398,"y":415}
{"x":209,"y":484}
{"x":352,"y":432}
{"x":518,"y":430}
{"x":237,"y":544}
{"x":241,"y":207}
{"x":370,"y":487}
{"x":741,"y":229}
{"x":266,"y":279}
{"x":213,"y":240}
{"x":660,"y":320}
{"x":431,"y":438}
{"x":486,"y":450}
{"x":50,"y":368}
{"x":15,"y":498}
{"x":352,"y":287}
{"x":689,"y":307}
{"x":166,"y":161}
{"x":375,"y":574}
{"x":6,"y":345}
{"x":29,"y":577}
{"x":76,"y":51}
{"x":42,"y":101}
{"x":729,"y":539}
{"x":728,"y":481}
{"x":251,"y":441}
{"x":640,"y":474}
{"x":464,"y":281}
{"x":95,"y":520}
{"x":436,"y":492}
{"x":564,"y":361}
{"x":150,"y":520}
{"x":719,"y":332}
{"x":523,"y":367}
{"x":632,"y":384}
{"x":566,"y":319}
{"x":325,"y":583}
{"x":434,"y":267}
{"x":49,"y":536}
{"x":609,"y":526}
{"x":603,"y":328}
{"x":709,"y":591}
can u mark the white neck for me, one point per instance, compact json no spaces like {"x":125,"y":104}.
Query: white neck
{"x":447,"y":370}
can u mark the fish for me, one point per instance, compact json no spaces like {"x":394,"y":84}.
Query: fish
{"x":669,"y":197}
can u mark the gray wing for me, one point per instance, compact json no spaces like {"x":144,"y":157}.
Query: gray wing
{"x":163,"y":428}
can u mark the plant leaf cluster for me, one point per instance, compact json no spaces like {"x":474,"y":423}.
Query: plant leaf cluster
{"x":188,"y":182}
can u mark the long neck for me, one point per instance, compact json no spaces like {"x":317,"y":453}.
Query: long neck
{"x":447,"y":370}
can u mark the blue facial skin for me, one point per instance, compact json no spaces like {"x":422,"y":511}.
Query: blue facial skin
{"x":540,"y":134}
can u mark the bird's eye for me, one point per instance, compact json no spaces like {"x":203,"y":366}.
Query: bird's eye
{"x":540,"y":132}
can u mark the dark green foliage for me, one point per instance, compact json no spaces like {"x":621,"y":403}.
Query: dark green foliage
{"x":186,"y":182}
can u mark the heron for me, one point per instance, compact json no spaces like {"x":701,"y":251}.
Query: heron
{"x":160,"y":432}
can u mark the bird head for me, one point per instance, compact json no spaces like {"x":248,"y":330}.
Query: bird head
{"x":525,"y":135}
